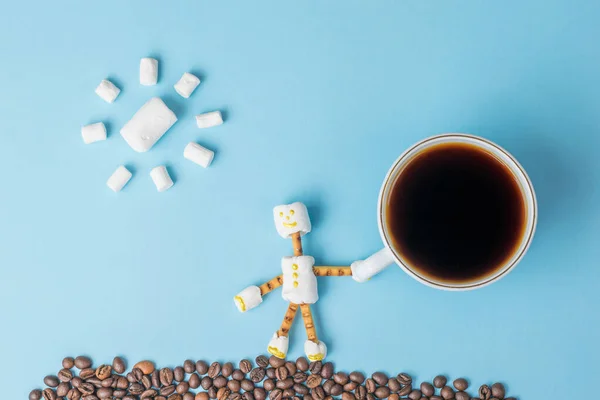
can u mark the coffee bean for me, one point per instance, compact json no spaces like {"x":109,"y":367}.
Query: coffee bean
{"x":120,"y":393}
{"x":103,"y":371}
{"x":146,"y":381}
{"x":415,"y":394}
{"x":315,"y":367}
{"x":276,"y":362}
{"x":136,"y":388}
{"x":427,"y":389}
{"x":461,"y":396}
{"x":498,"y":390}
{"x":189,"y":366}
{"x":380,"y":378}
{"x":281,"y":373}
{"x":82,"y":362}
{"x":285,"y":384}
{"x":176,"y":396}
{"x":271,"y":373}
{"x":131,"y":378}
{"x":382,"y":392}
{"x":76,"y":381}
{"x":460,"y":384}
{"x":35,"y":394}
{"x":104,"y":393}
{"x":51,"y":381}
{"x":328,"y":385}
{"x":65,"y":375}
{"x":166,"y":376}
{"x":336,"y":389}
{"x":291,"y":367}
{"x":212,"y":392}
{"x":288,"y":393}
{"x":370,"y":385}
{"x":90,"y":397}
{"x":260,"y":394}
{"x":155,"y":377}
{"x":357,"y":377}
{"x":348,"y":396}
{"x":248,"y":396}
{"x":118,"y":365}
{"x":87,"y":373}
{"x":129,"y":397}
{"x":234,"y":385}
{"x":300,"y":377}
{"x":238,"y":375}
{"x":183,"y":387}
{"x":223,"y":393}
{"x":318,"y":393}
{"x":302,"y":364}
{"x":220,"y":381}
{"x":485,"y":392}
{"x":122,"y":382}
{"x":439,"y":381}
{"x":188,"y":395}
{"x":360,"y":392}
{"x":262,"y":362}
{"x":301,"y":389}
{"x":394,"y":385}
{"x":406,"y":389}
{"x":86,"y":388}
{"x":245,"y":366}
{"x":137,"y":373}
{"x":436,"y":398}
{"x":201,"y":395}
{"x":194,"y":381}
{"x":74,"y":394}
{"x":166,"y":390}
{"x":404,"y":378}
{"x":68,"y":362}
{"x":146,"y":366}
{"x":206,"y":383}
{"x":178,"y":374}
{"x":340,"y":378}
{"x":234,"y":396}
{"x":148,"y":393}
{"x":247,"y":385}
{"x":95,"y":381}
{"x":370,"y":396}
{"x":201,"y":367}
{"x":62,"y":389}
{"x":447,"y":392}
{"x":214,"y":370}
{"x":227,"y":370}
{"x":312,"y":381}
{"x":350,"y":386}
{"x":269,"y":385}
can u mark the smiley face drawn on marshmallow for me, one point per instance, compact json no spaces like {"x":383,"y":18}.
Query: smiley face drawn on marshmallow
{"x":291,"y":218}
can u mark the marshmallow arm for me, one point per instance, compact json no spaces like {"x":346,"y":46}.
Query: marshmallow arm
{"x":364,"y":270}
{"x":271,"y":285}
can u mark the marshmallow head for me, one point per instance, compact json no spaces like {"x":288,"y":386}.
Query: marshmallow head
{"x":291,"y":218}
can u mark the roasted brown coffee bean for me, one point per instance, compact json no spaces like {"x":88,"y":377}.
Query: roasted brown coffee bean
{"x":336,"y":389}
{"x":447,"y":392}
{"x":382,"y":392}
{"x":214,"y":370}
{"x":220,"y":381}
{"x":301,"y":389}
{"x":360,"y":392}
{"x":302,"y":364}
{"x":406,"y":389}
{"x":485,"y":392}
{"x":394,"y":385}
{"x":414,"y":395}
{"x":262,"y":362}
{"x":104,"y":393}
{"x":291,"y":367}
{"x":234,"y":396}
{"x":118,"y":365}
{"x":394,"y":396}
{"x":136,"y":388}
{"x":156,"y":378}
{"x":238,"y":375}
{"x":276,"y":394}
{"x":122,"y":382}
{"x":285,"y":384}
{"x":318,"y":393}
{"x":300,"y":377}
{"x":167,"y":390}
{"x":146,"y":366}
{"x":49,"y":394}
{"x":148,"y":394}
{"x":178,"y":374}
{"x":257,"y":375}
{"x":176,"y":396}
{"x":194,"y":381}
{"x":90,"y":397}
{"x":370,"y":385}
{"x":35,"y":394}
{"x":327,"y":370}
{"x":248,"y":396}
{"x":245,"y":366}
{"x":76,"y":381}
{"x":166,"y":376}
{"x":404,"y":378}
{"x":62,"y":389}
{"x":87,"y":373}
{"x":340,"y":378}
{"x":328,"y":385}
{"x":74,"y":394}
{"x":357,"y":377}
{"x":460,"y":384}
{"x":201,"y":395}
{"x":201,"y":367}
{"x":95,"y":381}
{"x":271,"y":373}
{"x":380,"y":378}
{"x":313,"y":381}
{"x":120,"y":393}
{"x":234,"y":385}
{"x":131,"y":378}
{"x":288,"y":393}
{"x":183,"y":387}
{"x":189,"y":366}
{"x":348,"y":396}
{"x":146,"y":381}
{"x":439,"y":381}
{"x":129,"y":397}
{"x":212,"y":392}
{"x":462,"y":396}
{"x":427,"y":389}
{"x":370,"y":396}
{"x":51,"y":381}
{"x":86,"y":388}
{"x":137,"y":373}
{"x":315,"y":367}
{"x":276,"y":362}
{"x":260,"y":394}
{"x":227,"y":370}
{"x":206,"y":383}
{"x":82,"y":362}
{"x":108,"y":382}
{"x":497,"y":390}
{"x":223,"y":393}
{"x":65,"y":375}
{"x":247,"y":385}
{"x":281,"y":373}
{"x":269,"y":385}
{"x":350,"y":386}
{"x":188,"y":396}
{"x":436,"y":398}
{"x":68,"y":362}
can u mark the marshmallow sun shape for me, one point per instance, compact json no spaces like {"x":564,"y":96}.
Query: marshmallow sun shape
{"x":291,"y":218}
{"x":148,"y":125}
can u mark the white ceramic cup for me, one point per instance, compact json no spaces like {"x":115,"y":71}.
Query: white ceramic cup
{"x":364,"y":269}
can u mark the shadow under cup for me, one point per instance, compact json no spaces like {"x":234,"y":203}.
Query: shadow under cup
{"x":457,"y":211}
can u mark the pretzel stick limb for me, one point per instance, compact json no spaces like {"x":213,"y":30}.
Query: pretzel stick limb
{"x":332,"y":271}
{"x":297,"y":244}
{"x":271,"y":285}
{"x":288,"y":319}
{"x":309,"y":324}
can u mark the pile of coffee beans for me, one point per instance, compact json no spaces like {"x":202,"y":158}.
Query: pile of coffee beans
{"x":268,"y":378}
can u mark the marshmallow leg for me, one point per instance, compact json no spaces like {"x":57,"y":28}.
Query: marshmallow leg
{"x":198,"y":154}
{"x":148,"y":71}
{"x":160,"y":177}
{"x":119,"y":179}
{"x":187,"y":84}
{"x":362,"y":271}
{"x":315,"y":351}
{"x":278,"y":346}
{"x":148,"y":125}
{"x":93,"y":133}
{"x":107,"y":91}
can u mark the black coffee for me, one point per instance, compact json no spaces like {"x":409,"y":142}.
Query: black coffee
{"x":456,"y":213}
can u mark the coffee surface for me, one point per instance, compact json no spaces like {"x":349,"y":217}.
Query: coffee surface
{"x":456,"y":213}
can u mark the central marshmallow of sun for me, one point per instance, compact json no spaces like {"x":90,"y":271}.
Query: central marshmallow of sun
{"x":291,"y":218}
{"x":148,"y":125}
{"x":299,"y":280}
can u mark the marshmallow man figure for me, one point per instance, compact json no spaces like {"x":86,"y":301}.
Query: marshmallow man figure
{"x":298,"y":281}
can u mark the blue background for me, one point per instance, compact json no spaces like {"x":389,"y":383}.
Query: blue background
{"x":320,"y":98}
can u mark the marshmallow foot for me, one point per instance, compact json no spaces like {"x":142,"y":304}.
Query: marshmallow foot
{"x":278,"y":346}
{"x":315,"y":351}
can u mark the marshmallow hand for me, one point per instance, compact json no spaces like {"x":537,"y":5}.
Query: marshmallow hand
{"x":248,"y":298}
{"x":290,"y":219}
{"x":363,"y":270}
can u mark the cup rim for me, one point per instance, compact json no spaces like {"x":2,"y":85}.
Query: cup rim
{"x":501,"y":272}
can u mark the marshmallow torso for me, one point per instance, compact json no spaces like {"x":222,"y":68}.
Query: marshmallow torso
{"x":148,"y":125}
{"x":198,"y":154}
{"x":299,"y":280}
{"x":119,"y":179}
{"x":186,"y":85}
{"x":148,"y":71}
{"x":291,"y":218}
{"x":210,"y":119}
{"x":107,"y":91}
{"x":93,"y":132}
{"x":160,"y":177}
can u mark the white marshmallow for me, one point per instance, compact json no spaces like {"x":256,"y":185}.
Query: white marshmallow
{"x":248,"y":298}
{"x":278,"y":346}
{"x":119,"y":179}
{"x":107,"y":91}
{"x":148,"y":71}
{"x":93,"y":132}
{"x":186,"y":85}
{"x":363,"y":270}
{"x":160,"y":177}
{"x":315,"y":351}
{"x":291,"y":218}
{"x":299,"y":280}
{"x":148,"y":125}
{"x":198,"y":154}
{"x":209,"y":119}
